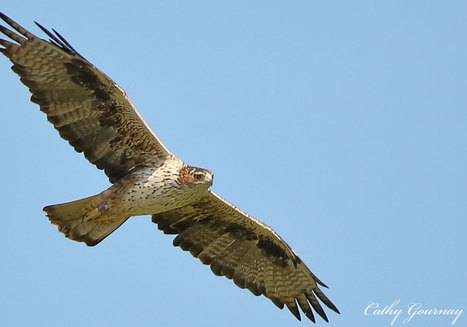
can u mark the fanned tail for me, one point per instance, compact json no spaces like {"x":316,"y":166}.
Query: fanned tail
{"x":71,"y":220}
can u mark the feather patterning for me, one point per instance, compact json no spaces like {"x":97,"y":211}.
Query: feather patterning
{"x":96,"y":117}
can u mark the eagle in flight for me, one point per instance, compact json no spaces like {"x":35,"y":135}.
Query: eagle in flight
{"x":97,"y":118}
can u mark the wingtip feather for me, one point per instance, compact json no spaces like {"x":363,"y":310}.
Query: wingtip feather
{"x":294,"y":310}
{"x":16,"y":26}
{"x":325,"y":300}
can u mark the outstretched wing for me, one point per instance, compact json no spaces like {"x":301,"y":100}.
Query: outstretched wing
{"x":88,"y":109}
{"x":244,"y":249}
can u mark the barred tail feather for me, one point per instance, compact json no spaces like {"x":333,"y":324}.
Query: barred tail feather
{"x":69,"y":217}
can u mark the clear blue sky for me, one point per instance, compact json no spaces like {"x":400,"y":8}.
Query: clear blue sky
{"x":343,"y":125}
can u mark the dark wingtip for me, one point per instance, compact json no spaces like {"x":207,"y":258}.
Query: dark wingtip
{"x":294,"y":310}
{"x":322,"y":314}
{"x":310,"y":316}
{"x":325,"y":300}
{"x":64,"y":40}
{"x":319,"y":282}
{"x":331,"y":306}
{"x":16,"y":26}
{"x":57,"y":40}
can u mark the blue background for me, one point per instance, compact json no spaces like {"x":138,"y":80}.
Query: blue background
{"x":343,"y":125}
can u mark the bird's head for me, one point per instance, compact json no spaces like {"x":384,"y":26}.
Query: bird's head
{"x":195,"y":177}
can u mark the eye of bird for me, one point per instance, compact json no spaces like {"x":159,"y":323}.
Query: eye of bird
{"x":198,"y":176}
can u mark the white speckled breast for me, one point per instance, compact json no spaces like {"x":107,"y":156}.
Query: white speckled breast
{"x":155,"y":190}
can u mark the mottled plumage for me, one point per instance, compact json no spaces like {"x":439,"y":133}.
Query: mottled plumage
{"x":96,"y":117}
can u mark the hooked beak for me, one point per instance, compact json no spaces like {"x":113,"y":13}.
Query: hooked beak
{"x":210,"y":178}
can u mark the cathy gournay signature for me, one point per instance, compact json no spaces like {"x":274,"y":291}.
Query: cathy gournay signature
{"x":410,"y":312}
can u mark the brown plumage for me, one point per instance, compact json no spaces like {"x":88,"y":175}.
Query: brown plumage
{"x":96,"y":117}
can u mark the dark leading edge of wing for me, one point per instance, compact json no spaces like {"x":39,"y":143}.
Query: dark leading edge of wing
{"x":86,"y":107}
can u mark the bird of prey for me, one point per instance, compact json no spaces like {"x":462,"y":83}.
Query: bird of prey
{"x":97,"y":118}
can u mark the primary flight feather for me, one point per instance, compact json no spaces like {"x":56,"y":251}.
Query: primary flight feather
{"x":96,"y":117}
